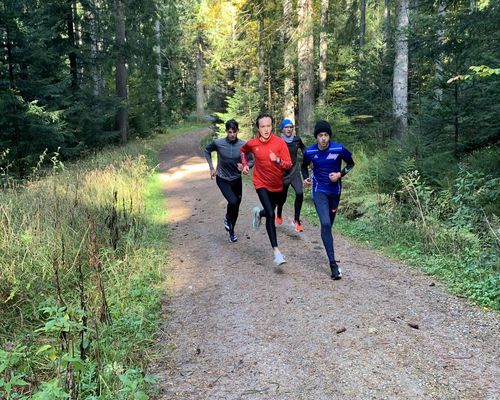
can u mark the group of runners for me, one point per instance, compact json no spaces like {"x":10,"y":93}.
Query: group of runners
{"x":274,"y":160}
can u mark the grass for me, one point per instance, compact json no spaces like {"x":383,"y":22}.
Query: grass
{"x":463,"y":259}
{"x":83,"y":254}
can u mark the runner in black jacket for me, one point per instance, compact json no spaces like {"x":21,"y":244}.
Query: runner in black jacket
{"x":292,"y":176}
{"x":228,"y":173}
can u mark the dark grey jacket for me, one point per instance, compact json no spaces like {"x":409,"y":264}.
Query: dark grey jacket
{"x":228,"y":156}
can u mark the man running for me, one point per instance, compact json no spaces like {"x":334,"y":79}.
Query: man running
{"x":271,"y":158}
{"x":292,"y":176}
{"x":228,"y":173}
{"x":326,"y":157}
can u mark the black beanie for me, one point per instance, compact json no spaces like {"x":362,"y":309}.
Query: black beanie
{"x":322,"y":126}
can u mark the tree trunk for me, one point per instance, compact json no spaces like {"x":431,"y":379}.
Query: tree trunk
{"x":262,"y":57}
{"x":200,"y":96}
{"x":121,"y":73}
{"x":288,"y":64}
{"x":387,"y":19}
{"x":98,"y":85}
{"x":72,"y":45}
{"x":438,"y":74}
{"x":400,"y":78}
{"x":455,"y":118}
{"x":305,"y":63}
{"x":159,"y":91}
{"x":8,"y":45}
{"x":362,"y":24}
{"x":323,"y":50}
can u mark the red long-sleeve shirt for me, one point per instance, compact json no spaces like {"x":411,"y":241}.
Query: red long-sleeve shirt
{"x":266,"y":173}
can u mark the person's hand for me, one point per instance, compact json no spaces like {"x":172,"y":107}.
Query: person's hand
{"x":212,"y":173}
{"x":334,"y":176}
{"x":308,"y":182}
{"x":245,"y":169}
{"x":272,"y":156}
{"x":239,"y":166}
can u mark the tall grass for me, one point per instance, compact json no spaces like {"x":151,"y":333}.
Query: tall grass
{"x":82,"y":258}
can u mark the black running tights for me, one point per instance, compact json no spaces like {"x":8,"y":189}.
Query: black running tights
{"x":231,"y":190}
{"x":269,"y":201}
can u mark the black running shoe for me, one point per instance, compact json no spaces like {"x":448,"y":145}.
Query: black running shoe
{"x":232,"y":237}
{"x":227,"y":225}
{"x":336,"y":271}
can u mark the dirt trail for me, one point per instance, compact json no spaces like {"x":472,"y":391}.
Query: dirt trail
{"x":237,"y":329}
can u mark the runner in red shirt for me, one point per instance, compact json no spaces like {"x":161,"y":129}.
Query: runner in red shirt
{"x":271,"y":158}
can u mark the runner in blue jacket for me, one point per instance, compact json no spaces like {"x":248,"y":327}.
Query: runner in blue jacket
{"x":326,"y":157}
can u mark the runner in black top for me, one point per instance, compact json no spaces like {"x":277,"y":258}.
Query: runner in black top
{"x":292,"y":176}
{"x":228,"y":173}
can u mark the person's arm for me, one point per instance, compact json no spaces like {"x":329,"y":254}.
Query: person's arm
{"x":302,"y":146}
{"x":250,"y":160}
{"x":244,"y":159}
{"x":208,"y":156}
{"x":335,"y":176}
{"x":304,"y":168}
{"x":349,"y":165}
{"x":283,"y":159}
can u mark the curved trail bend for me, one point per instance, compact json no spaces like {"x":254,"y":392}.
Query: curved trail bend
{"x":237,"y":329}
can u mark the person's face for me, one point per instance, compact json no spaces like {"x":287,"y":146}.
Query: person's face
{"x":265,"y":127}
{"x":232,"y":134}
{"x":323,"y":140}
{"x":288,"y":130}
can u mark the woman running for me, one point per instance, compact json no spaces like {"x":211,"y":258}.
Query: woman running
{"x":292,"y":176}
{"x":271,"y":158}
{"x":326,"y":157}
{"x":228,"y":173}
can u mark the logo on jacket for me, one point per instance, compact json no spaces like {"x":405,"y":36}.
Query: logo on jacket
{"x":332,"y":156}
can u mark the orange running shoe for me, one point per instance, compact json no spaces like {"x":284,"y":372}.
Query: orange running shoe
{"x":298,"y":226}
{"x":279,"y":220}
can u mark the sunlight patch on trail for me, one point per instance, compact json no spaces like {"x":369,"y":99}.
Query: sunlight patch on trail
{"x":175,"y":178}
{"x":183,"y":171}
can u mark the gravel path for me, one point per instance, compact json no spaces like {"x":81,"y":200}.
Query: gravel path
{"x":236,"y":328}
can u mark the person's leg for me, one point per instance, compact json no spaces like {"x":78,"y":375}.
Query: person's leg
{"x":233,"y":206}
{"x":233,"y":200}
{"x":334,"y":201}
{"x":326,"y":207}
{"x":268,"y":201}
{"x":281,"y":202}
{"x":298,"y":186}
{"x":322,"y":205}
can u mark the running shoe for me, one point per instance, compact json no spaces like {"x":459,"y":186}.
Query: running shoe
{"x":256,"y":221}
{"x":232,"y":237}
{"x":336,"y":271}
{"x":279,"y":220}
{"x":227,"y":225}
{"x":279,"y":259}
{"x":298,"y":226}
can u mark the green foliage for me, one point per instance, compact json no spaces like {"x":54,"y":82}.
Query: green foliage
{"x":84,"y":270}
{"x":57,"y":82}
{"x":244,"y":107}
{"x":447,"y":232}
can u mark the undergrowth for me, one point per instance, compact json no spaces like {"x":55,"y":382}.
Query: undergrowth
{"x":82,"y":260}
{"x":452,"y":233}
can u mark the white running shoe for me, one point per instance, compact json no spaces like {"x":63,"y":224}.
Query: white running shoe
{"x":279,"y":259}
{"x":256,"y":220}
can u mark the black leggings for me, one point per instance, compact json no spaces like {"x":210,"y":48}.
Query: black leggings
{"x":299,"y":199}
{"x":269,"y":201}
{"x":231,"y":190}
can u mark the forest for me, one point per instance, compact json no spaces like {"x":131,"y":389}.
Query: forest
{"x":411,"y":86}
